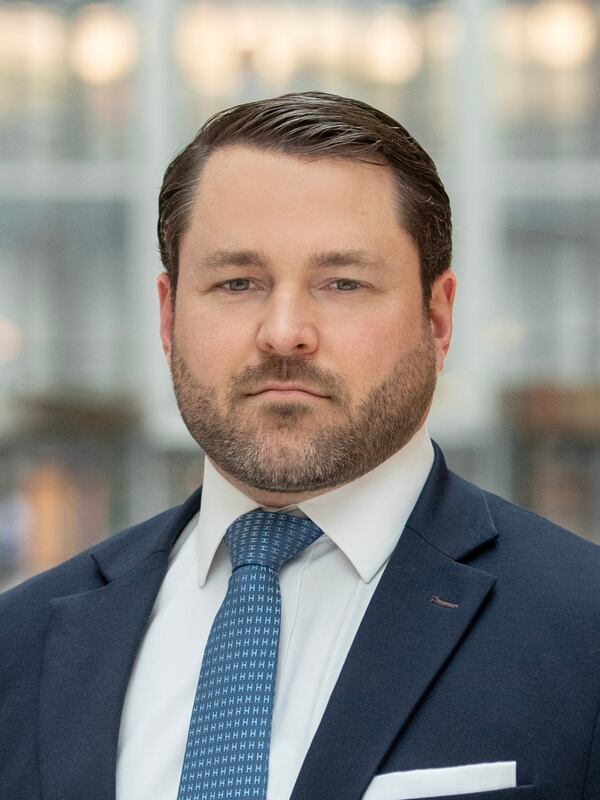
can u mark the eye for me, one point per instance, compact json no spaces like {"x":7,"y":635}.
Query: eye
{"x":237,"y":285}
{"x":347,"y":285}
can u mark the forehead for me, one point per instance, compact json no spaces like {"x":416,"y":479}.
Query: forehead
{"x":293,"y":216}
{"x":237,"y":180}
{"x":294,"y":210}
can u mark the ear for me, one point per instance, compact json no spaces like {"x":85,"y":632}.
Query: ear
{"x":443,"y":290}
{"x":167,"y":316}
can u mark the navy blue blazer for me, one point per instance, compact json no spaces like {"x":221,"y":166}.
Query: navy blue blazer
{"x":508,"y":669}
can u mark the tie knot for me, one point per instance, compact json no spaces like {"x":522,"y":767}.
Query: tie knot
{"x":269,"y":538}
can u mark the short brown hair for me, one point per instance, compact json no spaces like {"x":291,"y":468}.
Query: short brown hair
{"x":313,"y":125}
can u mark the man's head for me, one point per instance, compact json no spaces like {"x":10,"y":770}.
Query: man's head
{"x":306,"y":240}
{"x":313,"y":125}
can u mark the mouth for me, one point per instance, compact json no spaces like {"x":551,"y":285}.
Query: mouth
{"x":287,"y":391}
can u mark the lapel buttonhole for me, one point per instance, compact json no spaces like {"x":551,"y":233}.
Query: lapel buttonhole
{"x":439,"y":602}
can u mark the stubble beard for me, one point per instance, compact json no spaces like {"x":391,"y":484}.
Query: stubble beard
{"x":281,"y":447}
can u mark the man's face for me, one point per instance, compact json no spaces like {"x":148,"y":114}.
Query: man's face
{"x":297,"y":272}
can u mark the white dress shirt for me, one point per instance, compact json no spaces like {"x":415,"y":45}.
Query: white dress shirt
{"x":325,"y":591}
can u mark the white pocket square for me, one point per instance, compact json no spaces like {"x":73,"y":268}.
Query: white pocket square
{"x":443,"y":782}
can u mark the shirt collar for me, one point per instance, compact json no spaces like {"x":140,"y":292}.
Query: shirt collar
{"x":364,"y":518}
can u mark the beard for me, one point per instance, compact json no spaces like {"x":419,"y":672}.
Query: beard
{"x":297,"y":446}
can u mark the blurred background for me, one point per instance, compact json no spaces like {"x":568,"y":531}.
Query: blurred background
{"x":96,"y":98}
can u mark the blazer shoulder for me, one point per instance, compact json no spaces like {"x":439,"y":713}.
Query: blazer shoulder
{"x":550,"y":559}
{"x":26,"y":609}
{"x":532,"y":529}
{"x":81,"y":573}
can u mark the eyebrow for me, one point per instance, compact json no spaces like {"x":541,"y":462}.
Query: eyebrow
{"x":255,"y":258}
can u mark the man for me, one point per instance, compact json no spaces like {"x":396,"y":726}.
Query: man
{"x":388,"y":630}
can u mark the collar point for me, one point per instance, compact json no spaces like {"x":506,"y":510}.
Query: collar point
{"x":367,"y":575}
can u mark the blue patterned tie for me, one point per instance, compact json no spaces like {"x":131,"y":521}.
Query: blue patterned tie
{"x":227,"y":751}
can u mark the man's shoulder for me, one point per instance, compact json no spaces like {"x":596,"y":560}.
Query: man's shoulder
{"x":81,"y":573}
{"x":514,"y":523}
{"x":466,"y":521}
{"x":532,"y":531}
{"x":540,"y":559}
{"x":27,"y":608}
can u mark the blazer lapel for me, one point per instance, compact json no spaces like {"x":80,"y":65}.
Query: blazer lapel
{"x":404,"y":639}
{"x":91,"y":644}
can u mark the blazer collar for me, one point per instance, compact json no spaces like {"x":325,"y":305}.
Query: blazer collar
{"x":121,"y":553}
{"x":451,"y":513}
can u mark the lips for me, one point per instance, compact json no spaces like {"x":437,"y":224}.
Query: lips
{"x":288,"y":387}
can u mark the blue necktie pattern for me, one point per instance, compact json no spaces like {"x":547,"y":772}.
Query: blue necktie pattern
{"x":227,"y":751}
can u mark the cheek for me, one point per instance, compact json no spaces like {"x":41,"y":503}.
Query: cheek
{"x":366,"y":351}
{"x":213,"y":351}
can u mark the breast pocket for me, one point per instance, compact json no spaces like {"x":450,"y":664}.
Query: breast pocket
{"x":513,"y":793}
{"x":495,"y":780}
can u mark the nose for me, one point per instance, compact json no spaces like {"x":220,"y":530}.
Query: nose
{"x":287,"y":327}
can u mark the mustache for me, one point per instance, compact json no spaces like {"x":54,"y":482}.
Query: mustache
{"x":286,"y":370}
